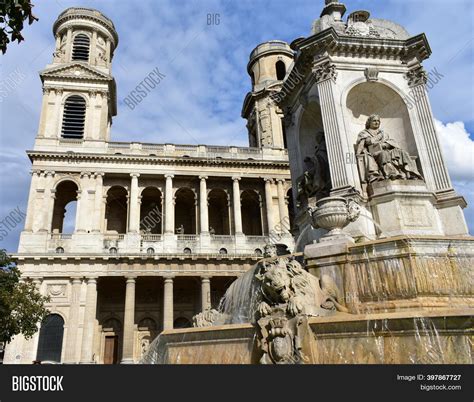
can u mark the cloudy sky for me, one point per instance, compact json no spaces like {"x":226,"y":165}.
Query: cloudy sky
{"x":199,"y":100}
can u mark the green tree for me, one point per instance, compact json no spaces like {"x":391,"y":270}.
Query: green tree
{"x":12,"y":15}
{"x":21,"y":305}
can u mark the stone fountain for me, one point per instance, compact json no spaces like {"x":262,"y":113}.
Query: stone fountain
{"x":383,"y":270}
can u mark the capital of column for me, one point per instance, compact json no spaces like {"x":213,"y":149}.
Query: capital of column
{"x":99,"y":174}
{"x":416,"y":76}
{"x":85,"y":174}
{"x":37,"y":281}
{"x":268,"y":180}
{"x":236,"y":178}
{"x":169,"y":176}
{"x":205,"y":279}
{"x":168,"y":279}
{"x":281,"y":181}
{"x":325,"y":71}
{"x":91,"y":281}
{"x":203,"y":178}
{"x":133,"y":175}
{"x":130,"y":279}
{"x":76,"y":281}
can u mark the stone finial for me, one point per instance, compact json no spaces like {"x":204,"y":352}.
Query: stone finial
{"x":334,"y":8}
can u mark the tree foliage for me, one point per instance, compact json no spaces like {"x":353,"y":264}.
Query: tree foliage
{"x":21,"y":305}
{"x":12,"y":15}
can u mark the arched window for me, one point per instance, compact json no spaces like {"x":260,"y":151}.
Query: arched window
{"x":223,"y":251}
{"x":74,"y":117}
{"x":59,"y":250}
{"x":280,"y":70}
{"x":80,"y":48}
{"x":64,"y":210}
{"x":151,"y":217}
{"x":116,"y":211}
{"x":50,"y":341}
{"x":219,"y":217}
{"x":150,"y":250}
{"x":251,"y":213}
{"x":185,"y":211}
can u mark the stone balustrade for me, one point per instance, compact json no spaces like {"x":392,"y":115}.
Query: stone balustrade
{"x":173,"y":150}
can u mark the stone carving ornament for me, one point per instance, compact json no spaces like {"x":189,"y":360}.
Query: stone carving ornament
{"x":325,"y":71}
{"x":206,"y":318}
{"x":334,"y":214}
{"x":285,"y":284}
{"x":289,"y":296}
{"x":380,"y":156}
{"x":57,"y":290}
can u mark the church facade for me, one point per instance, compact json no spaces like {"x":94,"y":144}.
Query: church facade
{"x":160,"y":230}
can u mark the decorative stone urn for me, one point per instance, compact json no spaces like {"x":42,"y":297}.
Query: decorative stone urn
{"x":334,"y":214}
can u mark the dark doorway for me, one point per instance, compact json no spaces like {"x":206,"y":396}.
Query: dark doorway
{"x":111,"y":350}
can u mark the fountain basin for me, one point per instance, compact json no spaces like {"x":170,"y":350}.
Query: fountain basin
{"x":438,"y":337}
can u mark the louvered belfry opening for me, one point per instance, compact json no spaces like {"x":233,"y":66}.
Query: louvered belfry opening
{"x":80,"y":49}
{"x":74,"y":117}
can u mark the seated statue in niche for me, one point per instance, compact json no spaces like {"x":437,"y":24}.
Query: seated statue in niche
{"x":382,"y":158}
{"x":315,"y":181}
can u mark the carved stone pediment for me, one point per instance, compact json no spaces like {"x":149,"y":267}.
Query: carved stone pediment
{"x":76,"y":71}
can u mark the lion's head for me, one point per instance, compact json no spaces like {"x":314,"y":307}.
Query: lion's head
{"x":276,"y":284}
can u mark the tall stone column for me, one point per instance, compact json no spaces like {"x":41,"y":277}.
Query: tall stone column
{"x":44,"y":111}
{"x":31,"y":209}
{"x":269,"y":204}
{"x":41,"y":289}
{"x":203,"y":205}
{"x":283,"y":207}
{"x":108,"y":51}
{"x":68,"y":55}
{"x":89,"y":321}
{"x":73,"y":322}
{"x":168,"y":304}
{"x":205,"y":293}
{"x":169,"y":206}
{"x":236,"y":204}
{"x":93,"y":47}
{"x":134,"y":217}
{"x":434,"y":168}
{"x":129,"y":322}
{"x":99,"y":189}
{"x":49,"y":197}
{"x":325,"y":77}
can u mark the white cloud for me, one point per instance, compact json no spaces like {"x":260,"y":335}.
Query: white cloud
{"x":458,"y":150}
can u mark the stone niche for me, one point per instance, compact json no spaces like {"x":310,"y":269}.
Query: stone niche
{"x":376,"y":98}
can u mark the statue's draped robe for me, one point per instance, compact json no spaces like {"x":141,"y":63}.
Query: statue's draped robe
{"x":383,"y":158}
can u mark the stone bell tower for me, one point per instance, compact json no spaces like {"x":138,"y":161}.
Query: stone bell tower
{"x":268,"y":65}
{"x":79,"y":92}
{"x":347,"y":71}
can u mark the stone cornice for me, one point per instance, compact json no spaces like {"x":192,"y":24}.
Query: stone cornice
{"x":78,"y":13}
{"x":329,"y":43}
{"x":117,"y":258}
{"x":153,"y":160}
